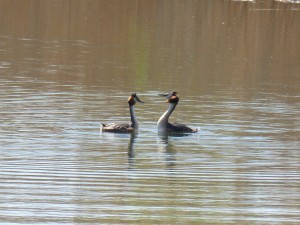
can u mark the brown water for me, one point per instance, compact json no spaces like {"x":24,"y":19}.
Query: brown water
{"x":66,"y":66}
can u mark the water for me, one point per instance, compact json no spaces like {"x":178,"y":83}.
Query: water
{"x":235,"y":65}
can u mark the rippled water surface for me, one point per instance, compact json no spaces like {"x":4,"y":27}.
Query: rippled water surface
{"x":239,"y":87}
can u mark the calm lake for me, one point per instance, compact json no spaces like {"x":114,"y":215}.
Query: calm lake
{"x":67,"y":66}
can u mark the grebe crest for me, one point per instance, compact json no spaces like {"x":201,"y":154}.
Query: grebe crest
{"x":133,"y":98}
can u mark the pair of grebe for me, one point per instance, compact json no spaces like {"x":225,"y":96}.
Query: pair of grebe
{"x":163,"y":123}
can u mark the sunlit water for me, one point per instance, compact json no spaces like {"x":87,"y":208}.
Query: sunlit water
{"x":242,"y":167}
{"x":56,"y":166}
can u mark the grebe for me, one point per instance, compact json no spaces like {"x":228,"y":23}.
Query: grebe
{"x":163,"y":123}
{"x":125,"y":127}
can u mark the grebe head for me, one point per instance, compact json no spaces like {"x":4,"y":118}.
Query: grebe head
{"x":172,"y":97}
{"x":169,"y":95}
{"x":133,"y":98}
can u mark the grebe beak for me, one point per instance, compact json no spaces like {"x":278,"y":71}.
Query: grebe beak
{"x":164,"y":95}
{"x":139,"y":100}
{"x":168,"y":95}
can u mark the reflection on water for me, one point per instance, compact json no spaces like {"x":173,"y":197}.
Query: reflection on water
{"x":166,"y":148}
{"x":235,"y":66}
{"x":131,"y":142}
{"x":131,"y":152}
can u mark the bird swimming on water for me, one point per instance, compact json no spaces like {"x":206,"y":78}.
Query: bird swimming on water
{"x":163,"y":122}
{"x":125,"y":127}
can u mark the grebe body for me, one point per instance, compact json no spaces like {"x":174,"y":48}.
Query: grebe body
{"x":163,"y":124}
{"x":130,"y":127}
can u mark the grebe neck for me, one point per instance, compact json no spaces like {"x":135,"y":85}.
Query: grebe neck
{"x":134,"y":121}
{"x":163,"y":120}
